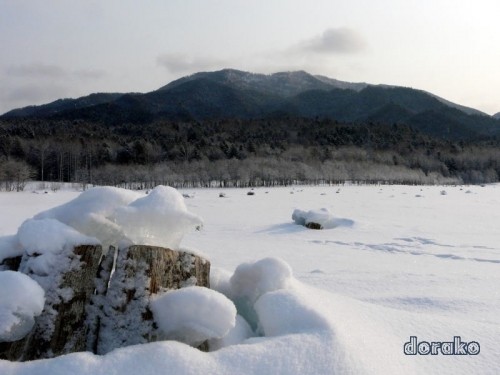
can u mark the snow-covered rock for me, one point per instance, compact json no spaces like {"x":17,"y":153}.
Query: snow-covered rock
{"x":21,"y":300}
{"x":322,"y":217}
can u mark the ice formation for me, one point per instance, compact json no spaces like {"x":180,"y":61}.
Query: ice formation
{"x":21,"y":299}
{"x":158,"y":219}
{"x":193,"y":314}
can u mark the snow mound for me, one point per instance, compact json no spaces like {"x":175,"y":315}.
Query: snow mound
{"x":43,"y":240}
{"x":282,"y":312}
{"x":21,"y":299}
{"x":252,"y":280}
{"x":9,"y":248}
{"x":236,"y":335}
{"x":91,"y":213}
{"x":193,"y":314}
{"x":100,"y":201}
{"x":158,"y":219}
{"x":49,"y":236}
{"x":116,"y":216}
{"x":220,"y":280}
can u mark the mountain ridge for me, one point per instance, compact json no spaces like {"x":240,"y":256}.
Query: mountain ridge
{"x":231,"y":93}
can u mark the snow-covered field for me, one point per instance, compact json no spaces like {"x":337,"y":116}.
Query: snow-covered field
{"x":399,"y":261}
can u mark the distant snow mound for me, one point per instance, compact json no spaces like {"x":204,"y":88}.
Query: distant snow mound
{"x":322,"y":217}
{"x":21,"y":299}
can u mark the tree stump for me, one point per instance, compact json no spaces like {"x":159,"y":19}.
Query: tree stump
{"x":88,"y":307}
{"x":61,"y":328}
{"x":95,"y":308}
{"x":140,"y":272}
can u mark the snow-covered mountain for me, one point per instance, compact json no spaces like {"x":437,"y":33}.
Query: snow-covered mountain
{"x":235,"y":94}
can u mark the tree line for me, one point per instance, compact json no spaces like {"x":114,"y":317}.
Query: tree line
{"x":272,"y":151}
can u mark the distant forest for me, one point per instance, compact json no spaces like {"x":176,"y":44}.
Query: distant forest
{"x":236,"y":153}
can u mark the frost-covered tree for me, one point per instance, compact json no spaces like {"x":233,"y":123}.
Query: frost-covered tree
{"x":14,"y":175}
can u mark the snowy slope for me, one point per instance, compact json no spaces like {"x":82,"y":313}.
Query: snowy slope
{"x":402,"y":261}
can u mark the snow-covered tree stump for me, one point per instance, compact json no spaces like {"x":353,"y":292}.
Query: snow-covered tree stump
{"x":61,"y":328}
{"x":140,"y":272}
{"x":87,"y":313}
{"x":94,"y":310}
{"x":88,"y":301}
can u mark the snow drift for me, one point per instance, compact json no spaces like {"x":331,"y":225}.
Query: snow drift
{"x":405,"y":271}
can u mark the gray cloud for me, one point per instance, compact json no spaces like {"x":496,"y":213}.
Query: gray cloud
{"x":34,"y":93}
{"x":30,"y":94}
{"x":89,"y":73}
{"x":39,"y":83}
{"x":181,"y":63}
{"x":335,"y":40}
{"x":47,"y":71}
{"x":36,"y":70}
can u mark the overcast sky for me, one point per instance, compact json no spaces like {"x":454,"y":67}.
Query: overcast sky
{"x":51,"y":49}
